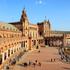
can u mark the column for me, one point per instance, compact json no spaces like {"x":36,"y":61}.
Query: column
{"x":7,"y":53}
{"x":30,"y":43}
{"x":2,"y":57}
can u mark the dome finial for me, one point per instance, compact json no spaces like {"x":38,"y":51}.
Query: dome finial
{"x":23,"y":10}
{"x":45,"y":17}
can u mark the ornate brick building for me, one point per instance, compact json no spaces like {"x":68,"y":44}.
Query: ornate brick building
{"x":25,"y":35}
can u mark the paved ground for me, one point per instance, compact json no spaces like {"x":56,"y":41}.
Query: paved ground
{"x":44,"y":57}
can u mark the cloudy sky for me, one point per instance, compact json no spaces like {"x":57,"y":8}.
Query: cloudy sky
{"x":57,"y":11}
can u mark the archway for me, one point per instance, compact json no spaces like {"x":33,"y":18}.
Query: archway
{"x":54,"y":41}
{"x":8,"y":52}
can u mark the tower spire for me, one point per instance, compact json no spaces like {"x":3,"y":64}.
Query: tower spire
{"x":23,"y":10}
{"x":45,"y":17}
{"x":23,"y":15}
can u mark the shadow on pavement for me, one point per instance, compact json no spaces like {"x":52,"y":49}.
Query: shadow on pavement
{"x":66,"y":68}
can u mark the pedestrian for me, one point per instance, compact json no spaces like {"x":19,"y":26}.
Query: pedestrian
{"x":51,"y":59}
{"x":54,"y":59}
{"x":39,"y":64}
{"x":37,"y":47}
{"x":6,"y":67}
{"x":29,"y":63}
{"x":36,"y":61}
{"x":66,"y":58}
{"x":34,"y":64}
{"x":62,"y":57}
{"x":25,"y":64}
{"x":38,"y":51}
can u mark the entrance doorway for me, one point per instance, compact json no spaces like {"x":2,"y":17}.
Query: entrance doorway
{"x":30,"y":40}
{"x":0,"y":59}
{"x":8,"y":52}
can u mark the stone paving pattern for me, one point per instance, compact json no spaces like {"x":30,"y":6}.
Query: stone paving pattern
{"x":44,"y":57}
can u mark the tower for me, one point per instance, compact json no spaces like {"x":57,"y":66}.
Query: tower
{"x":25,"y":23}
{"x":46,"y":28}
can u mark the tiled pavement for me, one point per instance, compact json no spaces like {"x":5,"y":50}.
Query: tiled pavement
{"x":45,"y":56}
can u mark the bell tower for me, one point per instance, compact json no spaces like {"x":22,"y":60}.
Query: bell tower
{"x":25,"y":23}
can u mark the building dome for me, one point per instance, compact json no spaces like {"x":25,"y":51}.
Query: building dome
{"x":7,"y":26}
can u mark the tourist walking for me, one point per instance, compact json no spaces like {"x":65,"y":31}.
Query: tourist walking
{"x":39,"y":64}
{"x":51,"y":59}
{"x":35,"y":61}
{"x":29,"y":63}
{"x":54,"y":59}
{"x":34,"y":64}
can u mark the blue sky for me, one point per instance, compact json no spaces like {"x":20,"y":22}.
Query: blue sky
{"x":57,"y":11}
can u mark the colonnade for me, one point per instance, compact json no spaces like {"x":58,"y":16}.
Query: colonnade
{"x":54,"y":41}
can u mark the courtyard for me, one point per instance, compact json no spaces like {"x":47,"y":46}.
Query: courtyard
{"x":47,"y":57}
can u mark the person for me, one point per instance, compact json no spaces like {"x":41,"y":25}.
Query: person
{"x":34,"y":64}
{"x":25,"y":64}
{"x":39,"y":64}
{"x":54,"y":59}
{"x":29,"y":63}
{"x":36,"y":61}
{"x":62,"y":57}
{"x":38,"y":51}
{"x":51,"y":59}
{"x":37,"y":47}
{"x":66,"y":58}
{"x":6,"y":67}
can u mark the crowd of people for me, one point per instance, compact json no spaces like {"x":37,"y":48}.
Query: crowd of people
{"x":30,"y":63}
{"x":63,"y":55}
{"x":12,"y":61}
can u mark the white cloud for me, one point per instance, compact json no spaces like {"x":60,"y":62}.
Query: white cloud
{"x":39,"y":2}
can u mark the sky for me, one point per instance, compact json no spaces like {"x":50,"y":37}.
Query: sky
{"x":57,"y":11}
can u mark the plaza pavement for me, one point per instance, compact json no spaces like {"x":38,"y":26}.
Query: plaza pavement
{"x":45,"y":56}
